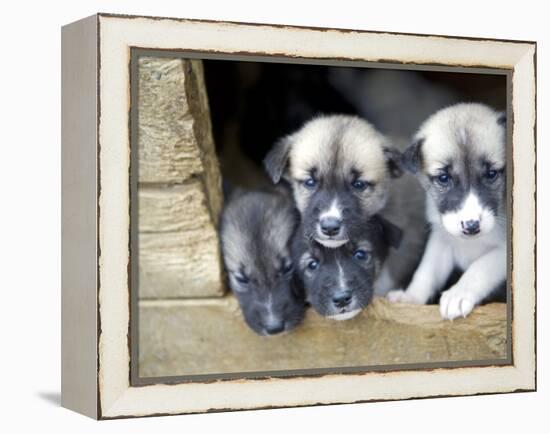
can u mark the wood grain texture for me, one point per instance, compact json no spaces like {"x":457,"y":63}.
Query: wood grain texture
{"x":180,"y":264}
{"x":182,"y":338}
{"x":179,"y":192}
{"x":174,"y":131}
{"x":173,"y":208}
{"x":168,"y":149}
{"x":197,"y":98}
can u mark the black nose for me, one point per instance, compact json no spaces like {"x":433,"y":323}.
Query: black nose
{"x":274,"y":328}
{"x":341,"y":299}
{"x":330,"y":225}
{"x":470,"y":227}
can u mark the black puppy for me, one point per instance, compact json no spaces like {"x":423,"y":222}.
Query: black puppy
{"x":339,"y":282}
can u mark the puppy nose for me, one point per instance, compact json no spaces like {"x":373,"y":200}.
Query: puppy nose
{"x":330,"y":225}
{"x":341,"y":298}
{"x":470,"y":227}
{"x":275,"y":327}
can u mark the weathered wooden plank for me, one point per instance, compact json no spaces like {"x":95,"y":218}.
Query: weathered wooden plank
{"x":168,"y":149}
{"x":173,"y":208}
{"x":488,"y":320}
{"x":179,"y":192}
{"x":183,"y":338}
{"x":180,"y":264}
{"x":174,"y":129}
{"x":197,"y":98}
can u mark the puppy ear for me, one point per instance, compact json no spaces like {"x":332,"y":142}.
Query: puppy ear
{"x":411,"y":159}
{"x":393,"y":161}
{"x":501,"y":118}
{"x":391,"y":233}
{"x":276,"y":160}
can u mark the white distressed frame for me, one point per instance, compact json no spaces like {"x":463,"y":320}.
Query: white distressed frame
{"x":116,"y":35}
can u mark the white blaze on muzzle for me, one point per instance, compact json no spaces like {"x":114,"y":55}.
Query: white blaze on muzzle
{"x":332,"y":212}
{"x":343,"y":287}
{"x":341,"y":277}
{"x":471,"y":212}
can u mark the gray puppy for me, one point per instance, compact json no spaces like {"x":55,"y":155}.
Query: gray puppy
{"x":341,"y":281}
{"x":256,"y":231}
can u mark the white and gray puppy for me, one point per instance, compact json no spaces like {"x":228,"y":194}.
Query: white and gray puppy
{"x":459,"y":157}
{"x":340,"y":168}
{"x":256,"y":232}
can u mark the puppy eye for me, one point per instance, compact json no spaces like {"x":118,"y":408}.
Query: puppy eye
{"x":491,"y":174}
{"x":443,"y":179}
{"x":287,"y":269}
{"x":241,"y":278}
{"x":361,"y":255}
{"x":313,"y":264}
{"x":310,"y":182}
{"x":359,"y":185}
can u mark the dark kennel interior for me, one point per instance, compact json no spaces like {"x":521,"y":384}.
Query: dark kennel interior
{"x":253,"y":104}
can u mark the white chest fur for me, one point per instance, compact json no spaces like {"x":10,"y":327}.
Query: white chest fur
{"x":465,"y":251}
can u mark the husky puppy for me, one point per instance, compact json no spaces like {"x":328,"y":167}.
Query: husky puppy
{"x":340,"y":281}
{"x":256,"y":231}
{"x":339,"y":168}
{"x":459,"y":157}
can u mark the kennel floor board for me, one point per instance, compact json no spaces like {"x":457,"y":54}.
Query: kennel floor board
{"x":208,"y":336}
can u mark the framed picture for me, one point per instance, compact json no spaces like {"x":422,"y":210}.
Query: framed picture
{"x":262,"y":216}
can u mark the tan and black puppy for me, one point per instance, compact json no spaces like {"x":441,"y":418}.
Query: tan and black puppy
{"x":339,"y":168}
{"x":459,"y":157}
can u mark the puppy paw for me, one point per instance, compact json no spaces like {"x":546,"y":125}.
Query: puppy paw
{"x":401,"y":296}
{"x":456,"y":303}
